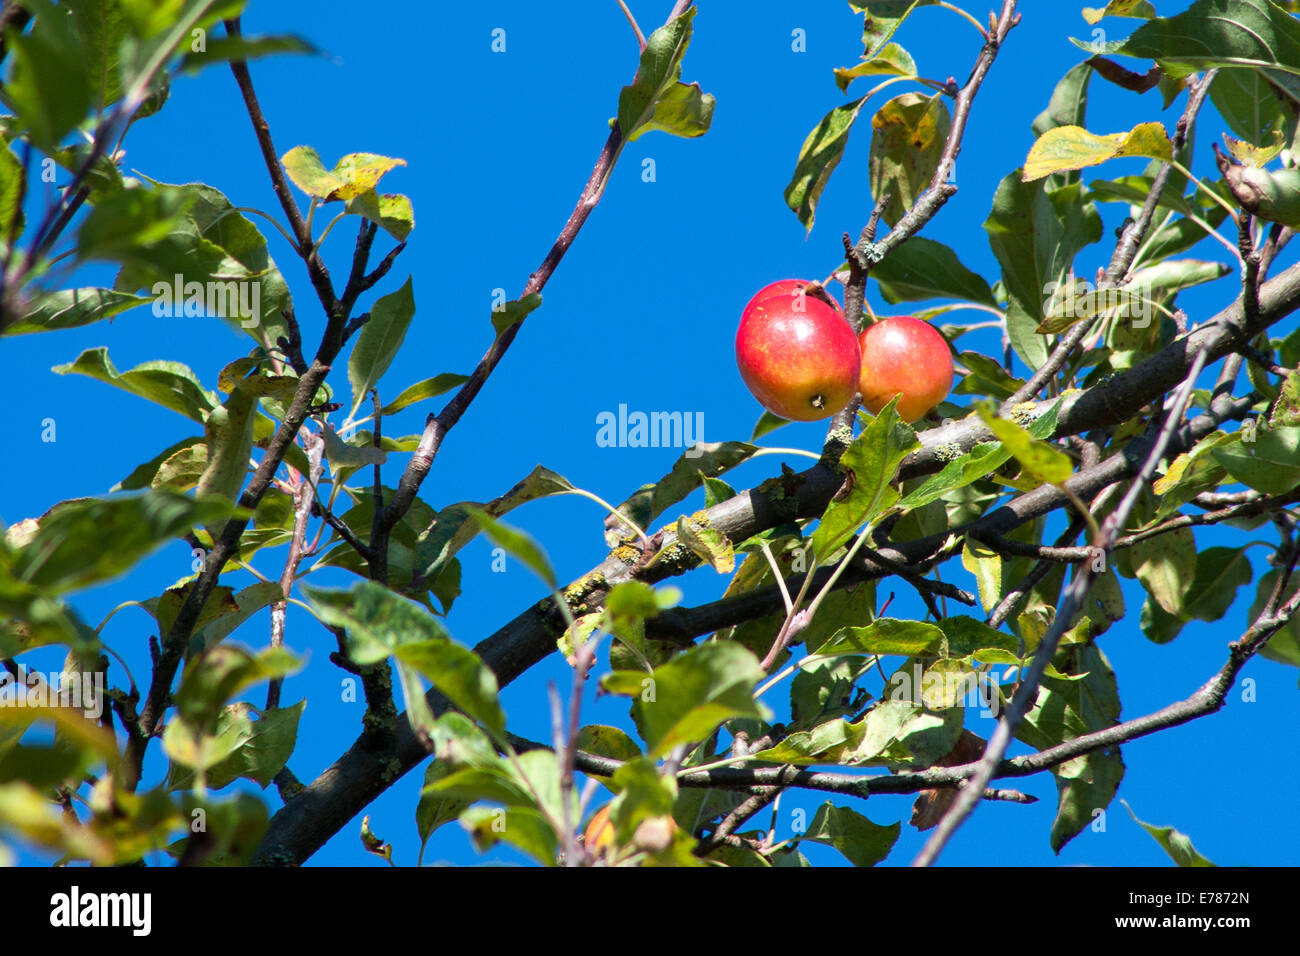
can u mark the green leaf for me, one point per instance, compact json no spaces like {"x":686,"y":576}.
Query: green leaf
{"x":228,"y":434}
{"x":873,"y":458}
{"x":716,"y":491}
{"x":514,"y":312}
{"x":824,"y":689}
{"x":821,"y":152}
{"x":1270,"y":463}
{"x":265,"y":745}
{"x":235,"y":826}
{"x":907,"y":141}
{"x":1035,"y":234}
{"x":890,"y":60}
{"x":143,"y":475}
{"x":964,"y":636}
{"x":1073,"y":147}
{"x":686,"y":699}
{"x":380,"y":623}
{"x":70,"y":308}
{"x":224,"y":261}
{"x":924,"y":269}
{"x":1258,"y":105}
{"x":986,"y":376}
{"x":1040,"y":462}
{"x":656,"y":99}
{"x":518,"y":544}
{"x":221,"y":49}
{"x":393,"y":212}
{"x":194,"y":752}
{"x":356,"y":453}
{"x":1220,"y":571}
{"x":429,"y":388}
{"x":901,"y":733}
{"x":522,"y":827}
{"x":1069,"y":708}
{"x":378,"y":341}
{"x":1177,"y":845}
{"x":1166,"y":566}
{"x":1221,"y":33}
{"x":1172,"y":275}
{"x":124,"y":222}
{"x":11,"y":194}
{"x":88,"y":540}
{"x":434,"y":810}
{"x":496,"y":782}
{"x":101,"y":27}
{"x":882,"y":18}
{"x":862,"y":842}
{"x":49,"y":85}
{"x":884,"y":636}
{"x":1157,"y":624}
{"x":407,"y":659}
{"x":629,"y":600}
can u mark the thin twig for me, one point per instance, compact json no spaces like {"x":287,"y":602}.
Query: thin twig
{"x":304,"y":496}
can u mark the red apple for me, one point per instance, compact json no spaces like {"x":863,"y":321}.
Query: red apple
{"x":796,"y":354}
{"x":906,"y":357}
{"x":791,"y":289}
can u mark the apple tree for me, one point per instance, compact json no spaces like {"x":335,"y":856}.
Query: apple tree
{"x":1111,"y":432}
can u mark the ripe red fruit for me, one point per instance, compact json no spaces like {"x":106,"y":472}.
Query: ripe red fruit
{"x":789,"y":288}
{"x":906,"y":357}
{"x":796,"y":354}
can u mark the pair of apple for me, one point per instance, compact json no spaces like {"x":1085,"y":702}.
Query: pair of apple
{"x":801,"y":360}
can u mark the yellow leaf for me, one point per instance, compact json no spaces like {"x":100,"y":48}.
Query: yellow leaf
{"x":1073,"y":147}
{"x":361,"y":172}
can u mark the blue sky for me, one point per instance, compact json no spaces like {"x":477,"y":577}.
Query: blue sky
{"x":642,"y":312}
